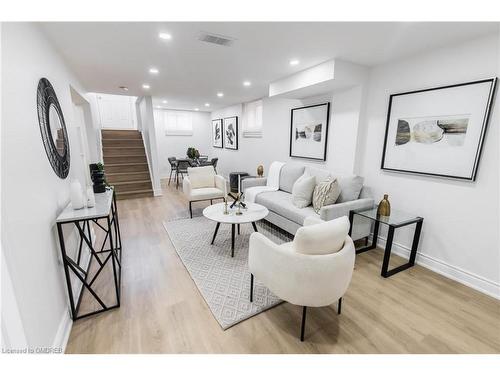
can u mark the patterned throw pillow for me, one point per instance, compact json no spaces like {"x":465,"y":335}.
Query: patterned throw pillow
{"x":325,"y":193}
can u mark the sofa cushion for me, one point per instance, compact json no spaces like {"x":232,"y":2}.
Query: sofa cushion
{"x":201,"y":177}
{"x":350,"y":188}
{"x":281,"y":204}
{"x":325,"y":193}
{"x":290,"y":173}
{"x":302,"y":191}
{"x":320,"y":239}
{"x":320,"y":174}
{"x":206,"y":193}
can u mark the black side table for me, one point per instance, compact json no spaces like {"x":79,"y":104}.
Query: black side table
{"x":397,"y":219}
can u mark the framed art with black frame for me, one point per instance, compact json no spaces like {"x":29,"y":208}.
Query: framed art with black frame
{"x":438,"y":131}
{"x":309,"y":131}
{"x":231,"y":133}
{"x":217,"y":133}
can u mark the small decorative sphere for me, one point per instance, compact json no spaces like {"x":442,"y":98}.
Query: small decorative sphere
{"x":260,"y":171}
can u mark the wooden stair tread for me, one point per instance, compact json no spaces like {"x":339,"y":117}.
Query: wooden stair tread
{"x":123,"y":164}
{"x":134,"y":191}
{"x":124,"y":173}
{"x":131,"y":182}
{"x":106,"y":147}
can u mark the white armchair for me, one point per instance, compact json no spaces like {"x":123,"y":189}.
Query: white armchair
{"x":202,"y":184}
{"x":315,"y":269}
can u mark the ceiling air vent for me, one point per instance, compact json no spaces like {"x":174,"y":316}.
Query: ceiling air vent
{"x":220,"y":40}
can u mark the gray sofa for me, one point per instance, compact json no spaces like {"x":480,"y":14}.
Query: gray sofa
{"x":285,"y":215}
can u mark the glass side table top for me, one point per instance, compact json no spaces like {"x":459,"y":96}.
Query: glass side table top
{"x":397,"y":218}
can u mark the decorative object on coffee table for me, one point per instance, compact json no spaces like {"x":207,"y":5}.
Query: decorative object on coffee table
{"x":253,"y":212}
{"x":260,"y":171}
{"x":309,"y":131}
{"x":231,"y":133}
{"x":384,"y":207}
{"x":53,"y":128}
{"x":397,"y":219}
{"x":217,"y":133}
{"x":98,"y":178}
{"x":438,"y":131}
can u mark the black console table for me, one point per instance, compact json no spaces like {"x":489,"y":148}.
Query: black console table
{"x":397,"y":219}
{"x":105,"y":209}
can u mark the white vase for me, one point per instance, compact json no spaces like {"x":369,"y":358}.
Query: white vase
{"x":76,"y":195}
{"x":90,"y":197}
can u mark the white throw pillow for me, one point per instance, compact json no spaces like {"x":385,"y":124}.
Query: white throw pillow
{"x":302,"y":191}
{"x":201,"y":177}
{"x":325,"y":193}
{"x":323,"y":238}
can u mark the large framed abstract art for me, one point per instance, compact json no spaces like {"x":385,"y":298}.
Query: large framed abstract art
{"x":217,"y":134}
{"x":438,"y":131}
{"x":309,"y":131}
{"x":231,"y":133}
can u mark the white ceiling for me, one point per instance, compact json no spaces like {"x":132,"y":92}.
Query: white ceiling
{"x":108,"y":55}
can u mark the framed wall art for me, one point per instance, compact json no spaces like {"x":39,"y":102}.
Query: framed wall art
{"x":231,"y":133}
{"x":217,"y":133}
{"x":438,"y":131}
{"x":309,"y":131}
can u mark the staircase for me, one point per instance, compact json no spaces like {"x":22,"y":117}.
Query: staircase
{"x":125,"y":163}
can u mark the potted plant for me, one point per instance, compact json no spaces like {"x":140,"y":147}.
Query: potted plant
{"x":192,"y":153}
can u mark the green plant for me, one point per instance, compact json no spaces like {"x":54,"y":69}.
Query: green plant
{"x":100,"y":167}
{"x":192,"y":153}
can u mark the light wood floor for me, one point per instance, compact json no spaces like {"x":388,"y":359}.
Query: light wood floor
{"x":416,"y":311}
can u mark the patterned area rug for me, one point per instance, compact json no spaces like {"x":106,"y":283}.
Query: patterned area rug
{"x":224,"y":282}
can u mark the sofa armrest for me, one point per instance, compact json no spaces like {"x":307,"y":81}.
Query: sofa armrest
{"x":334,"y":211}
{"x":186,"y":186}
{"x":253,"y":181}
{"x":220,"y":182}
{"x":312,"y":220}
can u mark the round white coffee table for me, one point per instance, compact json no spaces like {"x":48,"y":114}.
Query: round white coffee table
{"x":252,"y":213}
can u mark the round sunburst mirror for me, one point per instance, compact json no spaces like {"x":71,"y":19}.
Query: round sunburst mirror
{"x":53,"y":128}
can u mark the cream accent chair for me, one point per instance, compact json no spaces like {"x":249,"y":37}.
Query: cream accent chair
{"x":313,"y":270}
{"x":202,"y":184}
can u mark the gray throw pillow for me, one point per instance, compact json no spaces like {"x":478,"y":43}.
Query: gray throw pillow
{"x":302,"y":191}
{"x":325,"y":193}
{"x":350,"y":187}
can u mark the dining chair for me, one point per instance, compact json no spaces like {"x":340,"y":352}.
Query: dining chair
{"x":214,"y":164}
{"x":173,"y":167}
{"x":182,"y":167}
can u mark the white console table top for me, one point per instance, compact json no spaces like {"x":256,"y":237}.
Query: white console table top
{"x":102,"y":208}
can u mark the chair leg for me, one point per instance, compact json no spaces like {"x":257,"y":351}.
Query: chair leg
{"x":190,"y":210}
{"x":211,"y":202}
{"x":170,"y":177}
{"x":302,"y":329}
{"x":339,"y":306}
{"x":251,"y":287}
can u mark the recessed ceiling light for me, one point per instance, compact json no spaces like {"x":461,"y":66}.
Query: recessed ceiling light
{"x":158,"y":107}
{"x":153,"y":71}
{"x":196,"y":109}
{"x":146,"y":86}
{"x":247,"y":83}
{"x":294,"y":62}
{"x":164,"y":101}
{"x":207,"y":104}
{"x":220,"y":94}
{"x":124,"y":88}
{"x":165,"y":36}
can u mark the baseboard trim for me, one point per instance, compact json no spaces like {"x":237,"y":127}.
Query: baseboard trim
{"x":157,"y":192}
{"x":63,"y":331}
{"x":458,"y":274}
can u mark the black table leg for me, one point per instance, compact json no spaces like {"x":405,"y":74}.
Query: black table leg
{"x":414,"y":246}
{"x":215,"y":233}
{"x":387,"y":252}
{"x":254,"y":226}
{"x":411,"y":262}
{"x":238,"y":229}
{"x":232,"y":239}
{"x":374,"y":239}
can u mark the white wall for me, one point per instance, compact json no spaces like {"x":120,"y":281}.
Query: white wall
{"x":275,"y":141}
{"x":177,"y":145}
{"x":147,"y":127}
{"x":32,"y":194}
{"x":460,"y":230}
